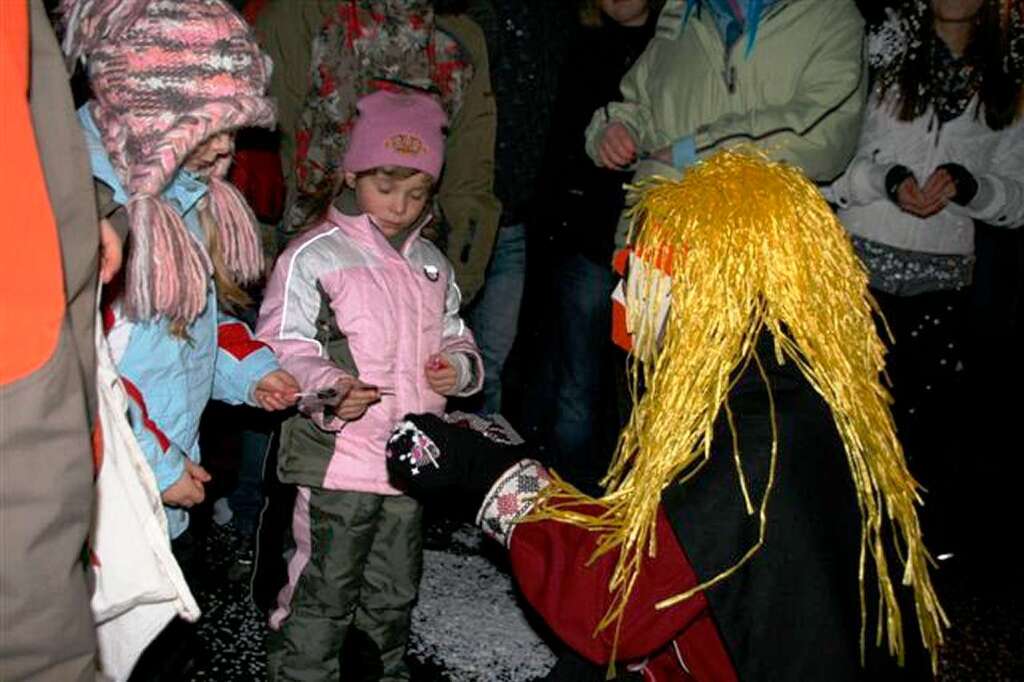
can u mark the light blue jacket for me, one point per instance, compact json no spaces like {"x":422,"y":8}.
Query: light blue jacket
{"x":171,"y":379}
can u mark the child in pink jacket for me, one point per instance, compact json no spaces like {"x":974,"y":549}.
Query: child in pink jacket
{"x":361,"y":304}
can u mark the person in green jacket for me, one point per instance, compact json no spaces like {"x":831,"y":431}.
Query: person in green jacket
{"x":787,"y":76}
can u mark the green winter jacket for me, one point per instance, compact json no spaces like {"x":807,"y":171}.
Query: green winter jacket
{"x":469,"y":208}
{"x":799,"y":94}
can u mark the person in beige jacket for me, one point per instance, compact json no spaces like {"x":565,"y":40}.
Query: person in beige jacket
{"x":787,"y":76}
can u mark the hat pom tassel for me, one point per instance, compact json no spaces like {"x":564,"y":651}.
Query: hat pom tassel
{"x":168,"y":270}
{"x":237,"y":231}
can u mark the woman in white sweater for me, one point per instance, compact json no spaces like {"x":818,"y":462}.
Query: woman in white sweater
{"x":942,"y":146}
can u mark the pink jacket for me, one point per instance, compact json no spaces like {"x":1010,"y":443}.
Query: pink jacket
{"x":393,"y":311}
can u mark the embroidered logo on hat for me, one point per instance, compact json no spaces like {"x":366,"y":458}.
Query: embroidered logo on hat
{"x":405,"y":144}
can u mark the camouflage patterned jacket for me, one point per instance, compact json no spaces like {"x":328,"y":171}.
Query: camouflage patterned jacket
{"x":328,"y":53}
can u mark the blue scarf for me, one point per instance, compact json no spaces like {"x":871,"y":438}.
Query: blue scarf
{"x":730,"y":25}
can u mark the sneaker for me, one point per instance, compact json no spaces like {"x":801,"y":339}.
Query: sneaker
{"x":222,"y":513}
{"x":241,"y":568}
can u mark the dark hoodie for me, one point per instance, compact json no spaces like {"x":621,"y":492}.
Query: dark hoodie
{"x":526,"y":47}
{"x":581,"y":202}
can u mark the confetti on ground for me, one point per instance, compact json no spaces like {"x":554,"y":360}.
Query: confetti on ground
{"x":470,"y":626}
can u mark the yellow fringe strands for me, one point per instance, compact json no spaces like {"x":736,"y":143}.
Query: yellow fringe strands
{"x":751,"y":244}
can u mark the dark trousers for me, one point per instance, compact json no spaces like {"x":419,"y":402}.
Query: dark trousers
{"x":585,"y":420}
{"x":995,"y":367}
{"x":357,"y":563}
{"x":926,"y":367}
{"x":246,"y":500}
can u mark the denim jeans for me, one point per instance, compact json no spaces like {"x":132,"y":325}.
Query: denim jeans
{"x":583,"y":366}
{"x":246,"y":500}
{"x":494,"y":316}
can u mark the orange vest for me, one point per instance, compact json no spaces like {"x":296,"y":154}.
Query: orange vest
{"x":31,"y":278}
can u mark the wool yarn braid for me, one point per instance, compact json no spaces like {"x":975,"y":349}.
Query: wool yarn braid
{"x":175,"y":283}
{"x":168,"y":269}
{"x":237,"y":232}
{"x":752,"y":245}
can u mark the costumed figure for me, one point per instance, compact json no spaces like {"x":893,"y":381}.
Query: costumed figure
{"x":726,"y":545}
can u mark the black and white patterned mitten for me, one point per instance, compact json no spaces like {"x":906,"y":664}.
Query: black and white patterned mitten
{"x":428,"y":456}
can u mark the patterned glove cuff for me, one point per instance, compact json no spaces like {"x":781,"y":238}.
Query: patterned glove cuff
{"x":511,"y":498}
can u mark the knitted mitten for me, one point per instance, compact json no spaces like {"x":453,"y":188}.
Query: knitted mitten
{"x":429,"y":456}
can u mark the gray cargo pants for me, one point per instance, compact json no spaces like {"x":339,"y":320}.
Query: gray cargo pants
{"x":358,"y":561}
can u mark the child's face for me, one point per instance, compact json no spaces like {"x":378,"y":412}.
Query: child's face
{"x":212,"y":150}
{"x":956,"y":10}
{"x":626,"y":12}
{"x":393,"y":203}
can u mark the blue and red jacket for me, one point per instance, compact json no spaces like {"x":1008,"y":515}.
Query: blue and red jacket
{"x":170,"y":379}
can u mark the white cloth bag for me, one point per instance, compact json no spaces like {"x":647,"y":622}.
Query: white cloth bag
{"x":139,"y":587}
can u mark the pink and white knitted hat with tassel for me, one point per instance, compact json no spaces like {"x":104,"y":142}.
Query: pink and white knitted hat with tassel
{"x":166,"y":75}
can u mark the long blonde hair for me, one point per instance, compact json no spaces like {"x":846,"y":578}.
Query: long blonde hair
{"x":230,"y":295}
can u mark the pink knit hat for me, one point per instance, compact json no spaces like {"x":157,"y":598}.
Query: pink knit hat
{"x":404,"y":129}
{"x":165,"y":77}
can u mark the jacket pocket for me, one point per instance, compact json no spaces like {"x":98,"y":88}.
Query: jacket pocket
{"x":305,"y":453}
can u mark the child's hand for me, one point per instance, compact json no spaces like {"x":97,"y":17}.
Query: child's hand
{"x":110,"y":252}
{"x":358,"y":397}
{"x":188,"y":490}
{"x":276,"y":391}
{"x":913,"y":200}
{"x":441,"y":374}
{"x":197,"y":472}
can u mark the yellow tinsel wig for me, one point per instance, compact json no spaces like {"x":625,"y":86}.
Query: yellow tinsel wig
{"x":751,"y":246}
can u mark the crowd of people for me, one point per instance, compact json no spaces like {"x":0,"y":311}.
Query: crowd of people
{"x":399,"y":226}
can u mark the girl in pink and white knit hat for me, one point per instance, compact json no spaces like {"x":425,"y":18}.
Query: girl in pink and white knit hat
{"x":172,"y":81}
{"x":166,"y":77}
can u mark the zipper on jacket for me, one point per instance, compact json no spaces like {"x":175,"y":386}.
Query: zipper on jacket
{"x":729,"y":73}
{"x":729,"y":70}
{"x":935,"y":126}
